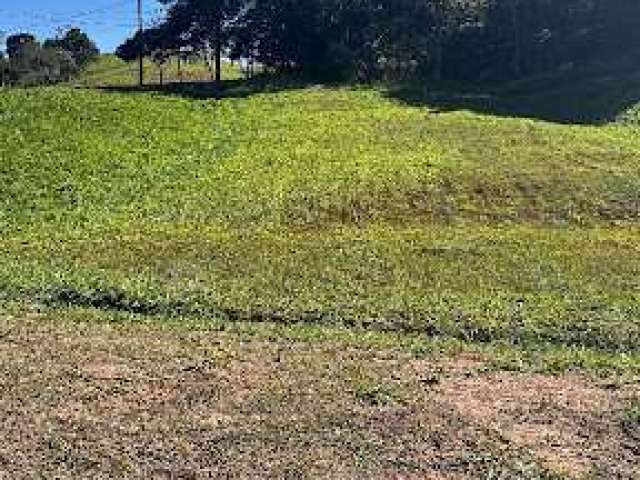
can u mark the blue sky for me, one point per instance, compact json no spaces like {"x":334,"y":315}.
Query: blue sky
{"x":108,"y":22}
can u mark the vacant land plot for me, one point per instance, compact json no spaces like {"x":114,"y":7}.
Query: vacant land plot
{"x":314,"y":282}
{"x":98,"y":399}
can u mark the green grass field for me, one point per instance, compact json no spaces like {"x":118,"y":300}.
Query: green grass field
{"x":327,"y":205}
{"x":327,"y":214}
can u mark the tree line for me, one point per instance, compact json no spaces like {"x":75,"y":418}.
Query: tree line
{"x":28,"y":62}
{"x":467,"y":40}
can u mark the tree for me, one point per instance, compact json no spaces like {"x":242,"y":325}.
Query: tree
{"x":19,"y":43}
{"x":4,"y":70}
{"x":472,"y":40}
{"x":24,"y":59}
{"x":30,"y":63}
{"x":282,"y":34}
{"x":201,"y":24}
{"x":77,"y":44}
{"x":160,"y":58}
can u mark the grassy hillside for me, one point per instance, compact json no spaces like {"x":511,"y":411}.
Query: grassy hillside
{"x":109,"y":70}
{"x":323,"y":205}
{"x":314,"y":282}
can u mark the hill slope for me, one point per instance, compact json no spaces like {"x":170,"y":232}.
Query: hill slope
{"x":110,"y":71}
{"x":601,"y":91}
{"x":327,"y":205}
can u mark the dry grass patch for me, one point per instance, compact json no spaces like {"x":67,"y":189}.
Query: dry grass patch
{"x":98,"y":400}
{"x":568,"y":423}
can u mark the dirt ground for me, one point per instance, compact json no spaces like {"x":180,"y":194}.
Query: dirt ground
{"x":97,"y":401}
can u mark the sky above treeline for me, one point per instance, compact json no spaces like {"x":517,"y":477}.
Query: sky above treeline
{"x":108,"y":22}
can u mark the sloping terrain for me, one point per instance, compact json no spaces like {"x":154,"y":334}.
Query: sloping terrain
{"x":351,"y":285}
{"x":326,"y":205}
{"x":600,"y":91}
{"x":110,"y":71}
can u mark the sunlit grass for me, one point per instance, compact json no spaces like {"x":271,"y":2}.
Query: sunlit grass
{"x":328,"y":205}
{"x":110,"y":71}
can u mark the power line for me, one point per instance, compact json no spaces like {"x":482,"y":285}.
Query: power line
{"x":56,"y":17}
{"x":105,"y":19}
{"x":85,"y":18}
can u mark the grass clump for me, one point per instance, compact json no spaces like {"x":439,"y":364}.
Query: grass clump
{"x":632,"y":414}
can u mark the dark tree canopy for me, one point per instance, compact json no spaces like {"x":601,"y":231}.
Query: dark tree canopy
{"x":77,"y":44}
{"x":30,"y":63}
{"x":470,"y":40}
{"x":204,"y":25}
{"x":18,"y":42}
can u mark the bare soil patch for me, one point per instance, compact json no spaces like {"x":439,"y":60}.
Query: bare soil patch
{"x":96,"y":401}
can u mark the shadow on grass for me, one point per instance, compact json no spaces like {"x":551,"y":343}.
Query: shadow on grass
{"x":238,"y":88}
{"x":592,"y":95}
{"x":587,"y":95}
{"x":585,"y":331}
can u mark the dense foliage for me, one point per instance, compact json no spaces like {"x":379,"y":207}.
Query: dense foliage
{"x":77,"y":44}
{"x":367,"y":39}
{"x":30,"y":63}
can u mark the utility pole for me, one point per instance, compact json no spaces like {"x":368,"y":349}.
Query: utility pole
{"x":140,"y":29}
{"x":3,"y":65}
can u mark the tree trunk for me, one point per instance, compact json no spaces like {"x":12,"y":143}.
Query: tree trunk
{"x":218,"y":55}
{"x":517,"y":38}
{"x":218,"y":51}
